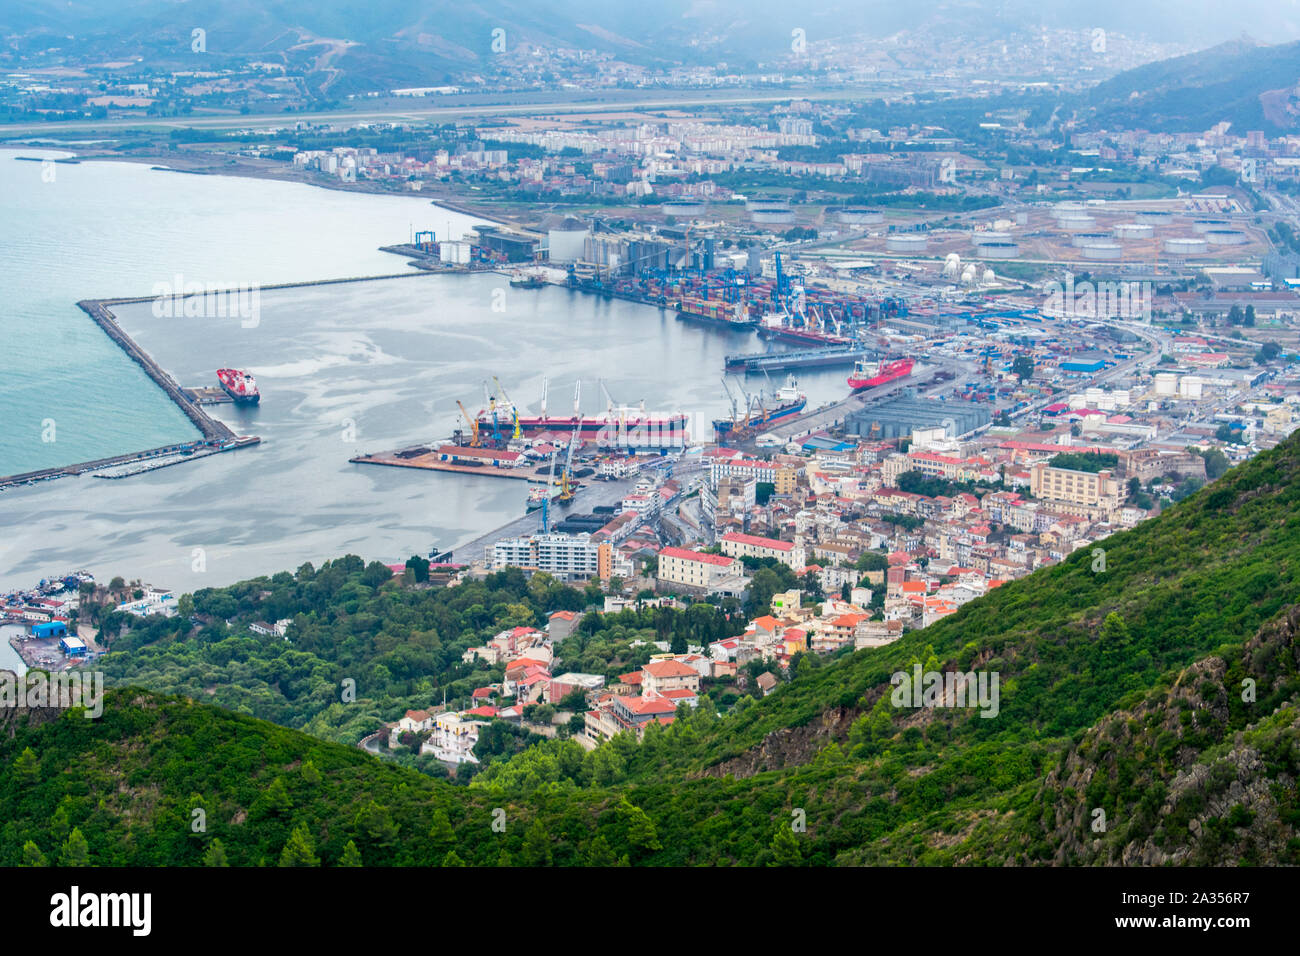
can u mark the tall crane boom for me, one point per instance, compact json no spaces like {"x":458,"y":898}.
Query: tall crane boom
{"x":473,"y":425}
{"x":546,"y":501}
{"x":567,"y":490}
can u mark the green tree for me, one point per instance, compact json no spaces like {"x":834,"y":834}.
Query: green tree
{"x":215,"y":854}
{"x":641,"y":831}
{"x":785,"y":848}
{"x":537,"y":845}
{"x":419,"y":567}
{"x":299,"y":849}
{"x":27,"y":768}
{"x":76,"y":851}
{"x":599,"y":853}
{"x":351,"y":855}
{"x":273,"y":802}
{"x":441,"y":835}
{"x":452,"y":859}
{"x":1023,"y":367}
{"x":1216,"y":462}
{"x":32,"y":855}
{"x":376,"y":825}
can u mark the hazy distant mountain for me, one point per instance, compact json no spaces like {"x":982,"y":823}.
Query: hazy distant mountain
{"x":1248,"y":85}
{"x":363,"y":44}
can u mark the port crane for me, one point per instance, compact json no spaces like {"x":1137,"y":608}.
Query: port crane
{"x":490,"y":401}
{"x":567,"y":489}
{"x":546,"y":499}
{"x":516,"y":433}
{"x":474,"y":440}
{"x":731,"y":397}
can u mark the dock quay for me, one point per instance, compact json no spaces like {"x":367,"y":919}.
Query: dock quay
{"x":208,"y":395}
{"x":756,"y":362}
{"x":150,"y":459}
{"x":427,"y":459}
{"x":217,"y":437}
{"x":97,"y":309}
{"x":597,"y":494}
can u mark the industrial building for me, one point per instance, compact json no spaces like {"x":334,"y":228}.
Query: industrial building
{"x":899,"y":417}
{"x":513,"y":246}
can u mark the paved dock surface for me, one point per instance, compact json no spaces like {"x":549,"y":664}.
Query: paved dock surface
{"x":592,"y":495}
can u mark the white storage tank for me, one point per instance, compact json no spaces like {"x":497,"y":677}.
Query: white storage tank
{"x":1081,"y":239}
{"x":1226,"y":237}
{"x":997,"y":248}
{"x":454,"y":251}
{"x":906,"y":243}
{"x":1134,"y":230}
{"x":1103,"y":250}
{"x":684,"y":207}
{"x":1079,"y":223}
{"x":567,"y":241}
{"x":772,"y":216}
{"x":1186,"y":247}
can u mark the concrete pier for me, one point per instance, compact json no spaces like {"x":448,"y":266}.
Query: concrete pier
{"x":210,"y":428}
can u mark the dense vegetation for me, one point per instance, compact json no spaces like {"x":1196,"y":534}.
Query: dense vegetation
{"x":1153,"y":678}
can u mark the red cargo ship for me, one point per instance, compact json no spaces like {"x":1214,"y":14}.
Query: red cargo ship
{"x":870,"y":374}
{"x":239,"y":385}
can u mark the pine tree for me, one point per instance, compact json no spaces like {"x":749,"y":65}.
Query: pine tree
{"x":376,"y":823}
{"x":27,"y":768}
{"x":310,"y":775}
{"x":599,"y":853}
{"x":440,"y":833}
{"x":274,"y":800}
{"x":641,"y":832}
{"x":451,"y":859}
{"x":299,"y":849}
{"x":76,"y":851}
{"x":537,"y":845}
{"x":60,"y":826}
{"x":32,"y":855}
{"x":215,"y":854}
{"x":785,"y":848}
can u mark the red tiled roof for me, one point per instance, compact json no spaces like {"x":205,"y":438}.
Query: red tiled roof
{"x":757,"y":541}
{"x":719,"y":560}
{"x":668,"y":669}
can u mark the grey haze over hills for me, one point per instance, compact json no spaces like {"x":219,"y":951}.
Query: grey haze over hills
{"x":439,"y":40}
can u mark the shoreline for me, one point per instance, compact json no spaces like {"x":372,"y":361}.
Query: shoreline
{"x":210,"y":164}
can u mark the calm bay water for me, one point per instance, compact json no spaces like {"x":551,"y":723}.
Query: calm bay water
{"x":349,"y":368}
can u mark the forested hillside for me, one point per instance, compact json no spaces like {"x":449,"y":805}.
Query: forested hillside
{"x":1150,"y":688}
